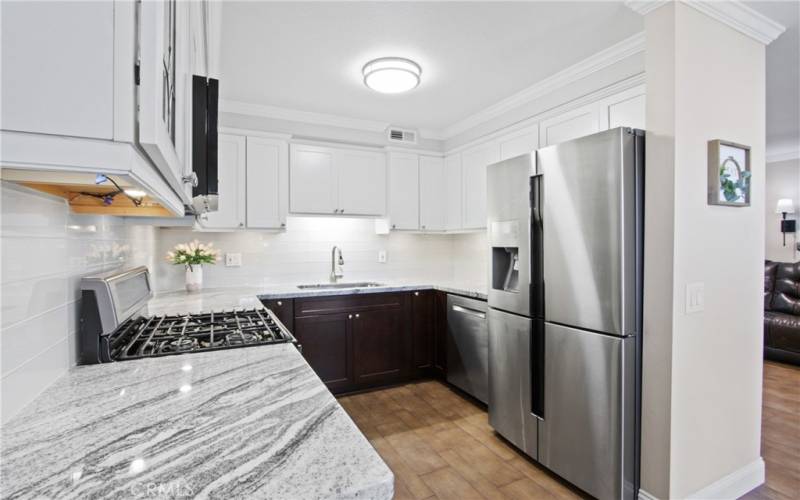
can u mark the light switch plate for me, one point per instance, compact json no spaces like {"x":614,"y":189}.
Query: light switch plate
{"x":695,"y":297}
{"x":382,"y":256}
{"x":233,"y":260}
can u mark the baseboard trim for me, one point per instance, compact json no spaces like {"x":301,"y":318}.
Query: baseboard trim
{"x":735,"y":484}
{"x":732,"y":486}
{"x":643,"y":495}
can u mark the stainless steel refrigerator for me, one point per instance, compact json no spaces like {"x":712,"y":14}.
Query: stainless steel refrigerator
{"x":565,"y":292}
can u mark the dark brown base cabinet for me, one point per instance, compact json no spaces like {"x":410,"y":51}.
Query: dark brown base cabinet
{"x":356,"y":342}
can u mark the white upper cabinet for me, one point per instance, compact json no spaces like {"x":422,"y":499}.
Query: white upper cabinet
{"x":473,"y":163}
{"x":312,"y":180}
{"x":362,"y":182}
{"x":571,"y":125}
{"x":117,"y":71}
{"x":232,"y":161}
{"x":626,"y":109}
{"x":404,"y":190}
{"x":453,"y":193}
{"x":267,"y":190}
{"x":523,"y":141}
{"x":431,"y":193}
{"x":58,"y":68}
{"x":325,"y":180}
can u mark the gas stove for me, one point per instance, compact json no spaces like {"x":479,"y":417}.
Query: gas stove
{"x":144,"y":337}
{"x":114,"y":325}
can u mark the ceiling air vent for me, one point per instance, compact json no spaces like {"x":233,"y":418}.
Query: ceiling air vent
{"x":400,"y":135}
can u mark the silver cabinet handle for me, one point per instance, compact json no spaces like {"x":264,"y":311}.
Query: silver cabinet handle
{"x":472,"y":312}
{"x":341,"y":210}
{"x":283,"y":224}
{"x":349,"y":316}
{"x":423,"y":227}
{"x":358,"y":315}
{"x":394,"y":226}
{"x":336,"y":210}
{"x":241,"y":224}
{"x":280,"y":303}
{"x":416,"y":294}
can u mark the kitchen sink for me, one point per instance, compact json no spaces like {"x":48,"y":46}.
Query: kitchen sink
{"x":327,"y":286}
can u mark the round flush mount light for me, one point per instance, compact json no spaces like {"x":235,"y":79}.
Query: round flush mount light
{"x":391,"y":75}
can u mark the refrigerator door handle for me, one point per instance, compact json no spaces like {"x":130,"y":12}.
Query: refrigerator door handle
{"x":537,"y":369}
{"x":536,"y":199}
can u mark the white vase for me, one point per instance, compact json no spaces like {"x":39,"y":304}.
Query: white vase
{"x":194,"y":278}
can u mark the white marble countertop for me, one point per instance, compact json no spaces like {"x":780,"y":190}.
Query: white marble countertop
{"x":226,"y":298}
{"x":254,"y":422}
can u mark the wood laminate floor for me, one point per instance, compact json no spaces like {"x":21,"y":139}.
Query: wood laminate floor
{"x":440,"y":445}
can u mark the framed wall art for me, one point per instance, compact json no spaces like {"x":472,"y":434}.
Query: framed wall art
{"x":728,"y":174}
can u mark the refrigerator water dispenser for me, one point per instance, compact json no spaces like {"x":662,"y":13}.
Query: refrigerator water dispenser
{"x":505,"y":269}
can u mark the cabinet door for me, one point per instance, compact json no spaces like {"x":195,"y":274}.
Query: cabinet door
{"x":453,"y":193}
{"x":474,"y":163}
{"x":362,"y":182}
{"x":231,"y":171}
{"x":325,"y":341}
{"x":312,"y":180}
{"x":380,"y":346}
{"x":626,"y":109}
{"x":267,"y":182}
{"x":423,"y":328}
{"x":521,"y":142}
{"x":404,"y":191}
{"x":431,"y":193}
{"x":58,"y":68}
{"x":570,"y":125}
{"x":161,"y":97}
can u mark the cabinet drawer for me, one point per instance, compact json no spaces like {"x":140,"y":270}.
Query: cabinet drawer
{"x":283,"y":309}
{"x":330,"y":305}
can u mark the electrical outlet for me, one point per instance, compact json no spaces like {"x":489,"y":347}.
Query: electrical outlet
{"x":695,"y":297}
{"x":382,"y":256}
{"x":233,"y":260}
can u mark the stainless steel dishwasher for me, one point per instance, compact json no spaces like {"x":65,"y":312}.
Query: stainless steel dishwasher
{"x":468,"y":346}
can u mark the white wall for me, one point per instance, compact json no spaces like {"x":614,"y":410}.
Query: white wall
{"x":45,"y":252}
{"x":783,"y":181}
{"x":703,"y":370}
{"x":302,"y":254}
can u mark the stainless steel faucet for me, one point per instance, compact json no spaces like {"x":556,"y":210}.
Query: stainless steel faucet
{"x":334,"y":275}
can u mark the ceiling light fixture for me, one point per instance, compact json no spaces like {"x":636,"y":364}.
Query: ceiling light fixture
{"x":391,"y":75}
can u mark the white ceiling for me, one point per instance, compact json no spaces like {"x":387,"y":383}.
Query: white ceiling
{"x":308,"y":56}
{"x":783,"y":77}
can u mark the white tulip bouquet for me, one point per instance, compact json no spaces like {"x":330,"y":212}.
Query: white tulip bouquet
{"x":193,"y":254}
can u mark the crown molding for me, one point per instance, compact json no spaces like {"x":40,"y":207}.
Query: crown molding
{"x":734,"y":13}
{"x":784,"y":154}
{"x":582,"y":69}
{"x":296,"y":115}
{"x":644,"y":7}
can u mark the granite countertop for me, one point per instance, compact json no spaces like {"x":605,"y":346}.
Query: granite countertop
{"x":227,"y":298}
{"x":254,"y":422}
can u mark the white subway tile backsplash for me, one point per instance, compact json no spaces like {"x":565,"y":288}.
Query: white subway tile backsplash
{"x":46,"y":250}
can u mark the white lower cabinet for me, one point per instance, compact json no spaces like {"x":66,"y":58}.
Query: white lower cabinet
{"x":404,"y":191}
{"x":232,"y":173}
{"x":431,"y":193}
{"x":331,"y":181}
{"x":473,"y":163}
{"x":267,"y":190}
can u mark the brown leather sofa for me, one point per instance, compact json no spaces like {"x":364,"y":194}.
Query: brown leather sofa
{"x":782,"y":311}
